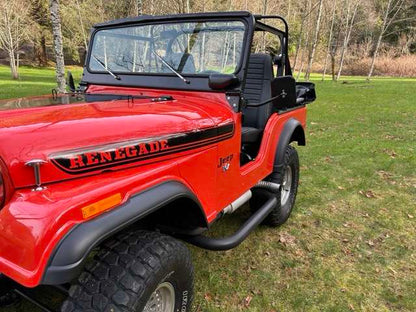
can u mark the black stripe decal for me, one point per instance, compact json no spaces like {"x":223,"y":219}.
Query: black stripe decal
{"x":111,"y":155}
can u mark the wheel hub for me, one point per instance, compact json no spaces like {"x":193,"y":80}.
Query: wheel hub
{"x":286,"y":185}
{"x":162,"y":299}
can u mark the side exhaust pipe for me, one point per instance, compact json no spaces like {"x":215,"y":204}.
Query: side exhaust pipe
{"x":238,"y":202}
{"x":235,"y":239}
{"x":269,"y":186}
{"x":266,"y":185}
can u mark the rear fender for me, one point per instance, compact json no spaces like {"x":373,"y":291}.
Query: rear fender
{"x":292,"y":131}
{"x":69,"y":255}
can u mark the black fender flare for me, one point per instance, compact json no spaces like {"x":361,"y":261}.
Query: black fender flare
{"x":68,"y":257}
{"x":292,"y":131}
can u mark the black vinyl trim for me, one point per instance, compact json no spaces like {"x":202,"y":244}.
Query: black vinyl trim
{"x":66,"y":261}
{"x":284,"y":140}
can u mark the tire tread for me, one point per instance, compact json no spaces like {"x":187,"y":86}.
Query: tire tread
{"x":120,"y":271}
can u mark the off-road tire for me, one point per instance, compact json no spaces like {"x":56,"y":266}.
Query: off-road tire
{"x":128,"y":269}
{"x":281,"y":212}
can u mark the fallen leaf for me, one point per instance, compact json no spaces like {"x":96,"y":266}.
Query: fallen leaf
{"x":391,"y":153}
{"x":328,"y":159}
{"x":208,"y":296}
{"x":370,"y":243}
{"x":391,"y":137}
{"x":286,"y":239}
{"x":391,"y":269}
{"x":247,"y":301}
{"x":384,"y":175}
{"x":368,"y":194}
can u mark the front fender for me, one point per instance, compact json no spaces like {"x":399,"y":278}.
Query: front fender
{"x":70,"y":254}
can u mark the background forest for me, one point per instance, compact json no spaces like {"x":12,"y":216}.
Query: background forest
{"x":332,"y":37}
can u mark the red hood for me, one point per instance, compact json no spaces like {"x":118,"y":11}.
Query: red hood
{"x":51,"y":133}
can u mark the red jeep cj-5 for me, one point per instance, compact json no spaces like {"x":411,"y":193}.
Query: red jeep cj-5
{"x":178,"y":121}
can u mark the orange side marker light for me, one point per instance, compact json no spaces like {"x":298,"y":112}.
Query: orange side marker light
{"x":101,"y":205}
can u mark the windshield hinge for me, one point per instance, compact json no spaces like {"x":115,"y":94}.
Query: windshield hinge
{"x":162,"y":98}
{"x":234,"y":98}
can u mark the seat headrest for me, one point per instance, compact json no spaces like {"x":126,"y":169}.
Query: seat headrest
{"x":263,"y":62}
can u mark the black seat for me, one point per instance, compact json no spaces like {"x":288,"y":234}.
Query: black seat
{"x":250,"y":135}
{"x":257,"y":89}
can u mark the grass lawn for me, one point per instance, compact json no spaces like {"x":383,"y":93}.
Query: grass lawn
{"x":32,"y":81}
{"x":350,"y":244}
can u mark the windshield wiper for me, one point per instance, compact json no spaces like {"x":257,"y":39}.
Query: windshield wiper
{"x":170,"y":67}
{"x":106,"y":69}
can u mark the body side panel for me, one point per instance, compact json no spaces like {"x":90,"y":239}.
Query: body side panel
{"x":43,"y":218}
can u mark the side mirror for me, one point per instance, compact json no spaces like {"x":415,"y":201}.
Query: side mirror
{"x":222,"y":81}
{"x":70,"y":82}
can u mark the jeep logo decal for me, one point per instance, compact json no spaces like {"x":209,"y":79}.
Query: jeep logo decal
{"x":102,"y":157}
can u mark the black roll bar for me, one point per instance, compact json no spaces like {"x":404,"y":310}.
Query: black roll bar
{"x":285,"y":33}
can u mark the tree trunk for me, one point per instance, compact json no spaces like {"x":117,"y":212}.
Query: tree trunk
{"x":58,"y":46}
{"x":298,"y":46}
{"x":380,"y":37}
{"x":43,"y":58}
{"x":315,"y":42}
{"x":138,"y":7}
{"x":84,"y":36}
{"x":328,"y":51}
{"x":13,"y":66}
{"x":306,"y":12}
{"x":348,"y":29}
{"x":263,"y":41}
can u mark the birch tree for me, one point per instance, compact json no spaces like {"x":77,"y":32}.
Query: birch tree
{"x":389,"y":11}
{"x":14,"y":30}
{"x":331,"y":31}
{"x":315,"y":41}
{"x":58,"y":46}
{"x":349,"y":25}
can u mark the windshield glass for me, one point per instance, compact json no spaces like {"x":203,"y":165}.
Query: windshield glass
{"x":189,"y":48}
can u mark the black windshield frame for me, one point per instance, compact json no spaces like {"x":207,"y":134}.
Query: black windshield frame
{"x":169,"y":80}
{"x":198,"y":82}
